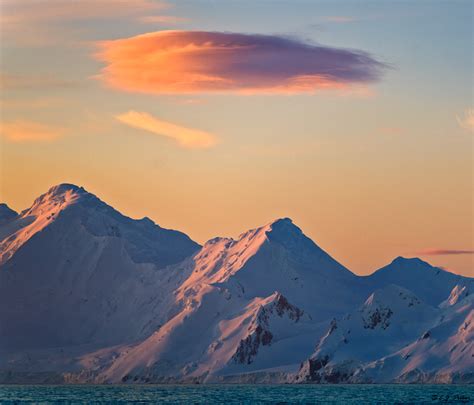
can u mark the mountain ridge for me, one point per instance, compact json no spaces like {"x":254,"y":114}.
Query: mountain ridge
{"x":91,"y":295}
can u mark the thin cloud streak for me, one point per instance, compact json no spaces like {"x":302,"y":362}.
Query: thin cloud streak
{"x":184,"y":62}
{"x":163,"y":19}
{"x":20,"y":12}
{"x":185,"y":137}
{"x":442,"y":252}
{"x":467,"y":121}
{"x":28,"y":103}
{"x":341,"y":19}
{"x":29,"y":82}
{"x":40,"y":23}
{"x":22,"y":131}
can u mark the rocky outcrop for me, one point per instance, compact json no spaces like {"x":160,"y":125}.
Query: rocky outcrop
{"x":259,"y":331}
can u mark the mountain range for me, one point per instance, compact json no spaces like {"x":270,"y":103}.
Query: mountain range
{"x":90,"y":295}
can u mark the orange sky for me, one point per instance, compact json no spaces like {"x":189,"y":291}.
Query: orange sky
{"x":216,"y":125}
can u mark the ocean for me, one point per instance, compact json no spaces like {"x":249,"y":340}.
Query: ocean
{"x":242,"y":394}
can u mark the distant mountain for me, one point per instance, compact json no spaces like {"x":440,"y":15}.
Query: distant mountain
{"x":431,"y":284}
{"x":90,"y":295}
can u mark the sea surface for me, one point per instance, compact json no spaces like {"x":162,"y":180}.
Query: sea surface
{"x":243,"y":394}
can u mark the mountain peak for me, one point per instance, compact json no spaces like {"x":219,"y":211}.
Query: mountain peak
{"x":6,"y":213}
{"x":401,"y":261}
{"x":283,"y":229}
{"x":63,"y":188}
{"x":280,"y":221}
{"x":57,"y":196}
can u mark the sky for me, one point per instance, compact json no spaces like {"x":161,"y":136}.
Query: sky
{"x":353,"y":118}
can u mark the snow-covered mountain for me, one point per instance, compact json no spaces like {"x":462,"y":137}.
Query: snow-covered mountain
{"x":242,"y":304}
{"x":75,"y":271}
{"x":431,"y":284}
{"x":89,"y":295}
{"x":396,"y":337}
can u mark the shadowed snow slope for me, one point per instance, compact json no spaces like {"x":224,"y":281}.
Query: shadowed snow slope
{"x":6,"y":214}
{"x":429,"y":283}
{"x":76,"y":271}
{"x":90,"y":295}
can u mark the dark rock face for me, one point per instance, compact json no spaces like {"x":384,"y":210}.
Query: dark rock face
{"x":316,"y":365}
{"x":261,"y":335}
{"x":336,"y":377}
{"x":282,"y":306}
{"x":378,"y":317}
{"x":248,"y":347}
{"x":426,"y":335}
{"x":332,"y":326}
{"x":318,"y":371}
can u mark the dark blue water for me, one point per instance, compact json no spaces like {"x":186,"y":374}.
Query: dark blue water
{"x":209,"y":394}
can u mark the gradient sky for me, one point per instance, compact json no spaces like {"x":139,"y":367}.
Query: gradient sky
{"x":354,"y":118}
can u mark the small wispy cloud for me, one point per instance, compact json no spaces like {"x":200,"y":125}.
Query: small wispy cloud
{"x":38,"y":23}
{"x":14,"y":11}
{"x":31,"y":103}
{"x":467,"y":120}
{"x":390,"y":130}
{"x":28,"y":82}
{"x":185,"y":137}
{"x":30,"y":131}
{"x":441,"y":252}
{"x":340,"y":19}
{"x":163,"y":19}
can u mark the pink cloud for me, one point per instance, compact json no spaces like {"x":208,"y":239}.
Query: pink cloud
{"x":179,"y":62}
{"x":441,"y":252}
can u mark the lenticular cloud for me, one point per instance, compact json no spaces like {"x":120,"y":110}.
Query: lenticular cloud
{"x":174,"y":62}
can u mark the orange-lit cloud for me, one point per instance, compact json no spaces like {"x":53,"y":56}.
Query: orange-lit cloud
{"x":467,"y":121}
{"x":177,"y":62}
{"x":29,"y":131}
{"x":442,"y":252}
{"x":185,"y":137}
